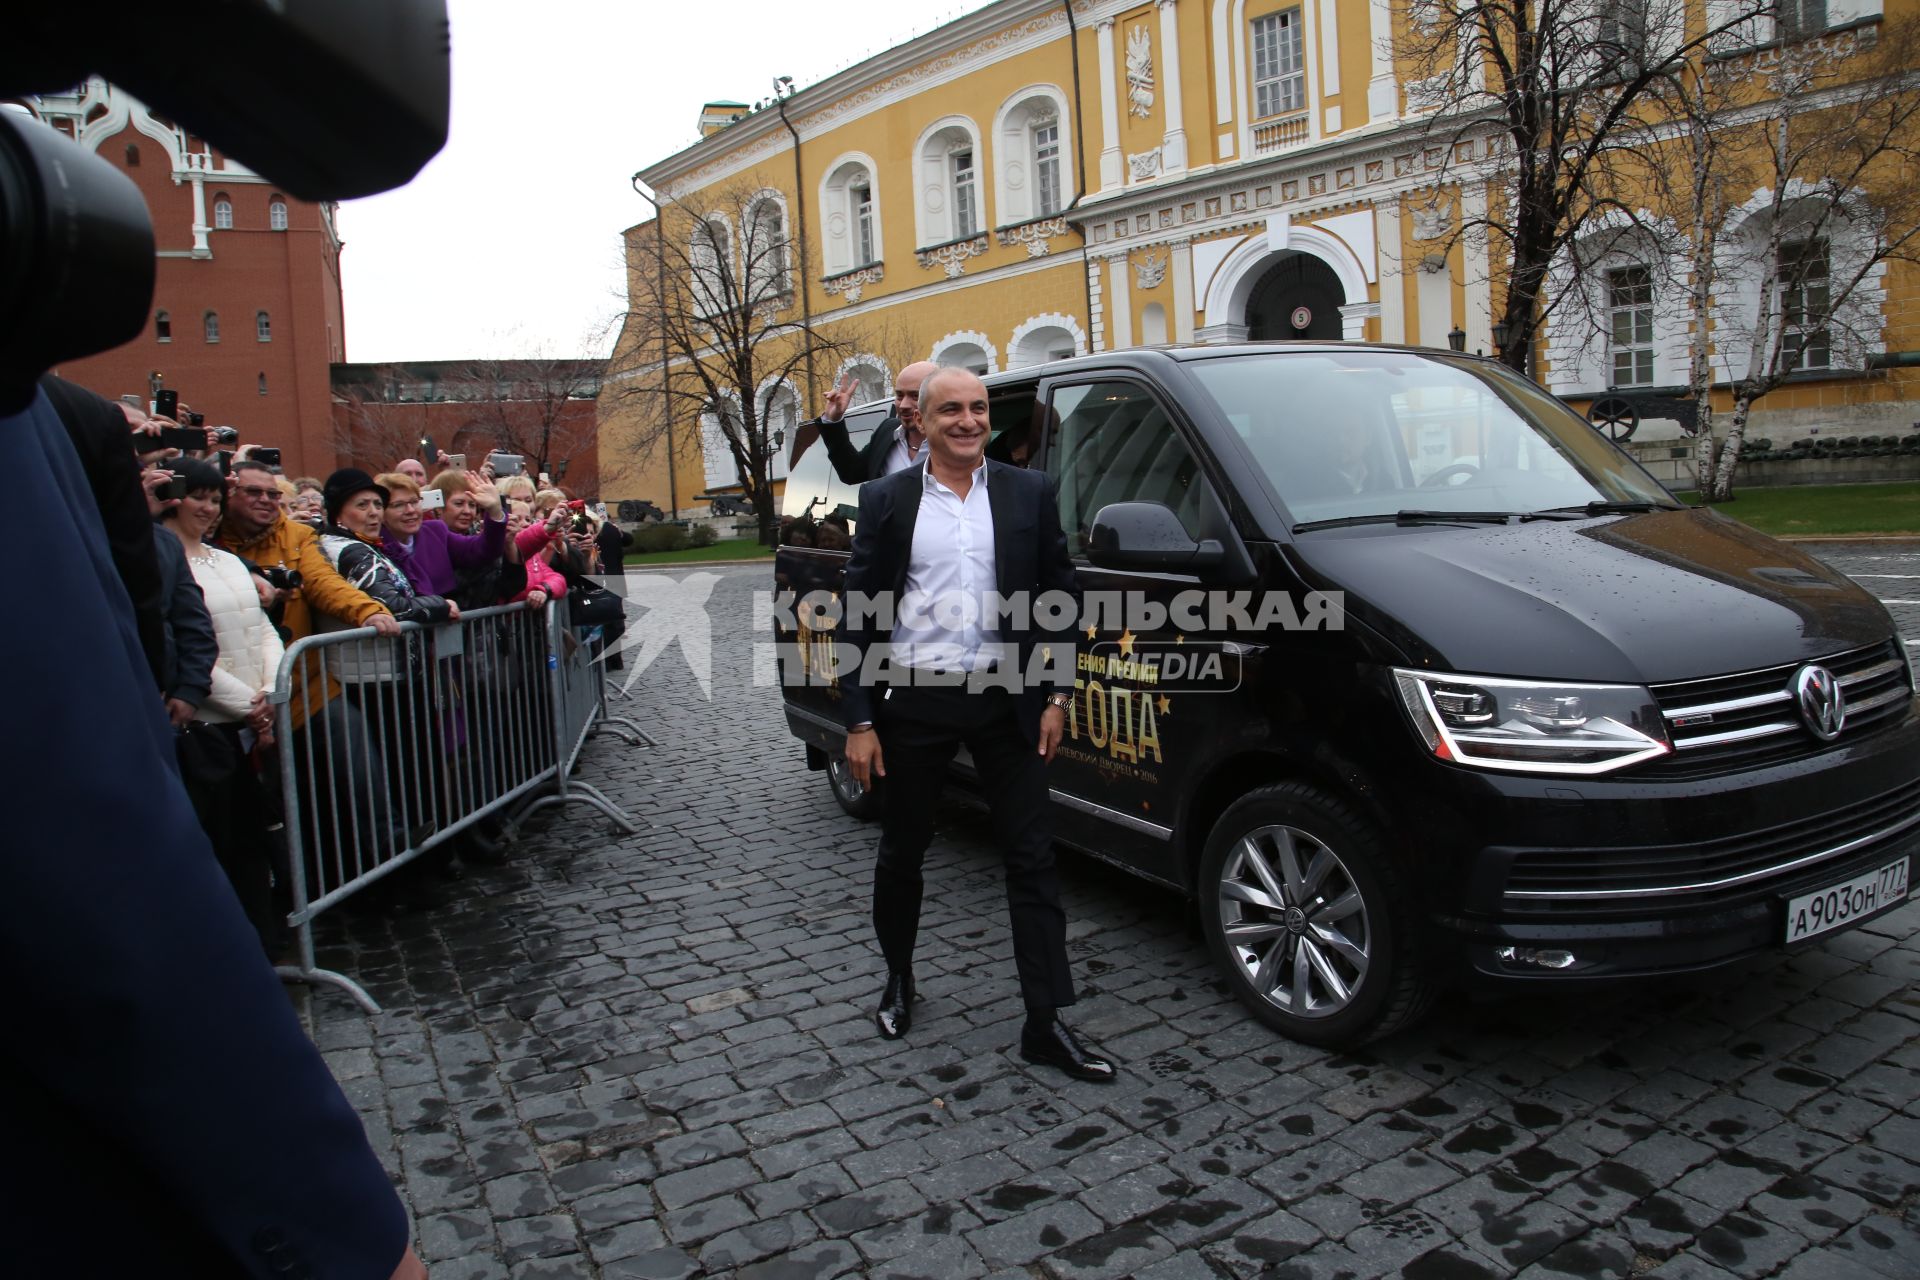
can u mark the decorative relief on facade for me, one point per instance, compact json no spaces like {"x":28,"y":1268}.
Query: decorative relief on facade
{"x":1120,"y":229}
{"x":1213,"y":206}
{"x":1145,"y":165}
{"x":1463,"y":151}
{"x":1166,"y":217}
{"x":952,"y":258}
{"x":1433,"y":157}
{"x":850,"y":284}
{"x":1403,"y":165}
{"x":1238,"y":202}
{"x":1376,"y":170}
{"x":1142,"y":223}
{"x":1432,"y":222}
{"x":1149,"y":273}
{"x":1343,"y":179}
{"x":1262,"y":197}
{"x":1290,"y":190}
{"x":1189,"y":212}
{"x":1139,"y":72}
{"x":1034,"y":235}
{"x":1317,"y":184}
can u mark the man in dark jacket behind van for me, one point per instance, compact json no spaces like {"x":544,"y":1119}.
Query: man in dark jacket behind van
{"x":896,"y":443}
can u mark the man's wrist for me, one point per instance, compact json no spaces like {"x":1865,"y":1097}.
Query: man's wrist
{"x":865,"y":726}
{"x":1060,"y":700}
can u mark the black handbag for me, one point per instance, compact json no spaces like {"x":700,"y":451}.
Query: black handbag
{"x":208,"y":753}
{"x":594,"y":607}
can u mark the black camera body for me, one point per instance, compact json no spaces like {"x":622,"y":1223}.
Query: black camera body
{"x":279,"y":577}
{"x":223,"y":435}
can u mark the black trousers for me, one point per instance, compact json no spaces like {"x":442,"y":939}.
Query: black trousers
{"x":920,"y":729}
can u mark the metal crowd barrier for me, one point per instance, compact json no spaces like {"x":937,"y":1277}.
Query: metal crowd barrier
{"x":389,"y":747}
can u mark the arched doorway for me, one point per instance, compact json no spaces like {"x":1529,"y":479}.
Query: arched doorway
{"x":1296,"y":287}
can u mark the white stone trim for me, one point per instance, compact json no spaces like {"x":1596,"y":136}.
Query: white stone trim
{"x":933,"y":184}
{"x":1048,"y":320}
{"x":1233,"y":281}
{"x":865,"y":360}
{"x":964,"y":337}
{"x":1015,"y":188}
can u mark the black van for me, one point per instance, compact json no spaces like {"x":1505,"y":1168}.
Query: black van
{"x":1552,"y":727}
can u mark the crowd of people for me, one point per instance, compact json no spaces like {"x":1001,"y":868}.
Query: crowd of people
{"x":252,"y":561}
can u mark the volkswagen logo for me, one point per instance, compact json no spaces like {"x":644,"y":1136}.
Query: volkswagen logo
{"x":1822,"y":704}
{"x":1296,"y":920}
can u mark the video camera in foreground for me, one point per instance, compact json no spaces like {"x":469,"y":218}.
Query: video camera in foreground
{"x":330,"y":98}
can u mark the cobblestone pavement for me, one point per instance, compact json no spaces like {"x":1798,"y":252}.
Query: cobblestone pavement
{"x":652,"y":1056}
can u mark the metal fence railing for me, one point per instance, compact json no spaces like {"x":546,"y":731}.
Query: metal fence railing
{"x":390,"y":746}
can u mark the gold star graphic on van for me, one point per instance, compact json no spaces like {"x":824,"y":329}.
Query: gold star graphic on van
{"x":1163,"y":704}
{"x":1092,"y":631}
{"x":1126,"y":644}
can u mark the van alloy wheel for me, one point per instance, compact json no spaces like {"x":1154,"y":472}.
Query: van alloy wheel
{"x":1309,"y":917}
{"x":1295,"y":922}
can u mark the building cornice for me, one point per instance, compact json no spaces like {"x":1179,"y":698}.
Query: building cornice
{"x":1009,"y":25}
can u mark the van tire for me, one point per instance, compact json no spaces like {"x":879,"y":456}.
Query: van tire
{"x":1371,"y":948}
{"x":857,"y":801}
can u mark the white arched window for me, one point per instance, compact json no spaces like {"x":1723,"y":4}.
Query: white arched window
{"x":262,"y":327}
{"x":277,"y":215}
{"x":717,"y":455}
{"x":1047,"y":337}
{"x":1033,"y":155}
{"x":1794,"y":278}
{"x":850,"y":215}
{"x":779,"y":417}
{"x":951,"y":203}
{"x":1623,"y":324}
{"x":967,"y":349}
{"x":711,"y":256}
{"x":764,"y":250}
{"x":222,"y":213}
{"x":871,"y":372}
{"x":211,"y":325}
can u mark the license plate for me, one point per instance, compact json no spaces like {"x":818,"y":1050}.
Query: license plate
{"x":1839,"y":905}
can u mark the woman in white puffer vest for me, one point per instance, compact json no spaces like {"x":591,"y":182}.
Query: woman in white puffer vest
{"x":215,"y":749}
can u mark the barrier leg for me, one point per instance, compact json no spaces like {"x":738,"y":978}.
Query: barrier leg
{"x":309,"y":971}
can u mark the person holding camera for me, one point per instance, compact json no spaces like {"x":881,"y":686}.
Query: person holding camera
{"x":215,"y":746}
{"x":429,"y":552}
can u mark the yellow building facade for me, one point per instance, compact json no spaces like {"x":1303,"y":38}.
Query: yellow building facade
{"x":1038,"y":180}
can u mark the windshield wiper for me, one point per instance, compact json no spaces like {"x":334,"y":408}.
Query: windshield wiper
{"x":1601,"y":507}
{"x":1413,"y":517}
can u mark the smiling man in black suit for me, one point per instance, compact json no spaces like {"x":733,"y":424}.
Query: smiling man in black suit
{"x":939,"y":538}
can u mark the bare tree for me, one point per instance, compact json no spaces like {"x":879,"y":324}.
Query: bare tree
{"x":718,"y":297}
{"x":383,"y":421}
{"x":1826,"y":134}
{"x":1548,"y":103}
{"x":541,"y":407}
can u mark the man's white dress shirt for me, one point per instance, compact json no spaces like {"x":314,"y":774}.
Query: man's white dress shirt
{"x":950,"y":575}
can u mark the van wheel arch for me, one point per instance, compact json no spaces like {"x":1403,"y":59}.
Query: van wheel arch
{"x":1241,"y":775}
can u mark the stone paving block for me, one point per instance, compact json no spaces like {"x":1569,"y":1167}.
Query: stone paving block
{"x":453,"y":1235}
{"x":869,"y":1207}
{"x":627,"y":1240}
{"x":1689,"y":1266}
{"x":1116,"y":1253}
{"x":1522,"y":1237}
{"x":1812,"y":1208}
{"x":1595,"y":1254}
{"x":570,"y":1267}
{"x":1383,"y":1090}
{"x":1881,"y":1243}
{"x":475,"y":1266}
{"x":1665,"y":1223}
{"x":540,"y":1237}
{"x":1882,"y":1178}
{"x":708,"y":1218}
{"x":1020,"y":1240}
{"x":933,"y":1258}
{"x":1207,"y":1213}
{"x":757,"y":1241}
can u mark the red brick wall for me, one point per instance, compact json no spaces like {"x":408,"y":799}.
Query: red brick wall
{"x":292,"y":275}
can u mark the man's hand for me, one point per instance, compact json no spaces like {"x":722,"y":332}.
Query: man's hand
{"x":839,"y":398}
{"x":484,"y":492}
{"x":864,"y":758}
{"x":179,"y":713}
{"x":1053,"y":724}
{"x":385,"y":624}
{"x":270,"y":595}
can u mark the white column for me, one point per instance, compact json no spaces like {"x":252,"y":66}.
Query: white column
{"x":1173,"y":148}
{"x":1110,"y":162}
{"x":201,"y":249}
{"x":1393,"y":297}
{"x":1183,"y":291}
{"x":1479,"y":281}
{"x":1119,"y":302}
{"x":1383,"y":91}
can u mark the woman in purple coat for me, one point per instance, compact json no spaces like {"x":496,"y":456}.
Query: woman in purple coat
{"x":429,"y":552}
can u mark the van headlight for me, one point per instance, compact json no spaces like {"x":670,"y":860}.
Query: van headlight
{"x":1533,"y":726}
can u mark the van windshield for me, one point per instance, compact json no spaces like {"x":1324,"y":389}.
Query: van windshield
{"x":1354,"y":434}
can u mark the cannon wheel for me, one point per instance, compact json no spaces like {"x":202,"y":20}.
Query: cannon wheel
{"x":1613,"y":417}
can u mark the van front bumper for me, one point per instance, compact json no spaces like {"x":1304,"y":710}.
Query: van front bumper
{"x":1595,"y":880}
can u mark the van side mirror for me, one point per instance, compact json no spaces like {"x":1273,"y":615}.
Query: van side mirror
{"x":1148,"y":536}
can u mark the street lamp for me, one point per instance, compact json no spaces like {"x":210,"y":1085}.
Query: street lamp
{"x":1457,"y":338}
{"x":660,"y":301}
{"x":1501,"y":332}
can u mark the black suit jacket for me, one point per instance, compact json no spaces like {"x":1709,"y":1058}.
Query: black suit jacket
{"x":857,"y":466}
{"x":1029,"y":555}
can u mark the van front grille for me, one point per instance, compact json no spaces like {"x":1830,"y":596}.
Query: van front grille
{"x":1712,"y":873}
{"x":1723,"y":724}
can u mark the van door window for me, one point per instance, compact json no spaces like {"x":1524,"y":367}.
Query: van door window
{"x":1112,"y":442}
{"x":804,"y":500}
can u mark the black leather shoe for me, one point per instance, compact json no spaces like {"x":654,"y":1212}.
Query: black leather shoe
{"x":895,"y":1014}
{"x":1057,"y":1046}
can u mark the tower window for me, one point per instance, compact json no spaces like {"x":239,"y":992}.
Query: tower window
{"x":162,"y":327}
{"x":262,"y":327}
{"x":223,"y":214}
{"x":212,"y":324}
{"x":133,"y":156}
{"x":277,"y":215}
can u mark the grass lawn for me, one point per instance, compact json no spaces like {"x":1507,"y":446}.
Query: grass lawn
{"x":725,"y":549}
{"x":1827,"y":508}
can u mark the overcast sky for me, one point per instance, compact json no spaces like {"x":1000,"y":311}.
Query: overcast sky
{"x":508,"y":243}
